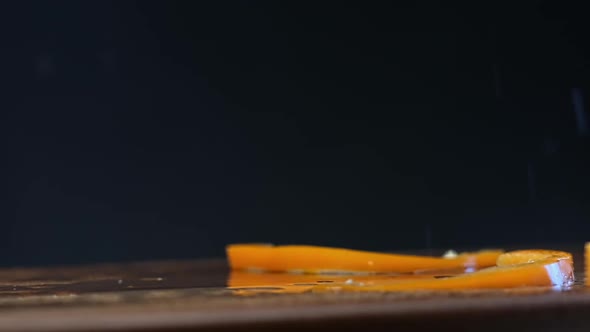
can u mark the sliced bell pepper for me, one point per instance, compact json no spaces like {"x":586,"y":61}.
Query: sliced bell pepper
{"x":314,"y":259}
{"x":524,"y":268}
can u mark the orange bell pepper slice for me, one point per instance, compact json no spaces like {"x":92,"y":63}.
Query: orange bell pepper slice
{"x":314,"y":259}
{"x":524,"y":268}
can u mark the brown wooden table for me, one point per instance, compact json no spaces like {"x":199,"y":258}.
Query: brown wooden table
{"x":191,"y":295}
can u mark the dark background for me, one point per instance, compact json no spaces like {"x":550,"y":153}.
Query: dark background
{"x":149,"y":130}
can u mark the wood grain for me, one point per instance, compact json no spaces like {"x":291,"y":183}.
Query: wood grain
{"x":190,"y":295}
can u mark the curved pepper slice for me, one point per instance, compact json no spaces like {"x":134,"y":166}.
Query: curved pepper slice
{"x":524,"y":268}
{"x":314,"y":259}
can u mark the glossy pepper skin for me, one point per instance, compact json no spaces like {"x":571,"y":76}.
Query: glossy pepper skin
{"x":315,"y":259}
{"x":523,"y":268}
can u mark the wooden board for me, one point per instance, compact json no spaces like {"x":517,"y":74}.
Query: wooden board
{"x":190,"y":295}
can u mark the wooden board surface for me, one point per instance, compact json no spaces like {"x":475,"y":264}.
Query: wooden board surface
{"x":191,"y":295}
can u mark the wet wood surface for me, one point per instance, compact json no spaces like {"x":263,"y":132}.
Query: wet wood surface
{"x":191,"y":295}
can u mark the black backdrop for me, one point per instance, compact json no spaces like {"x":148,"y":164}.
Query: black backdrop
{"x":147,"y":130}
